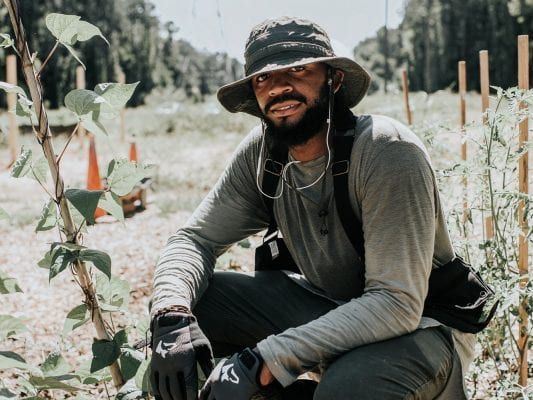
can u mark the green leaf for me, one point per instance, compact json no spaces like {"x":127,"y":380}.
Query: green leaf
{"x":74,"y":54}
{"x":55,"y":365}
{"x":88,"y":378}
{"x":10,"y":326}
{"x":83,"y":101}
{"x":85,"y":201}
{"x":113,"y":294}
{"x":46,"y":261}
{"x":125,"y":175}
{"x":3,"y":214}
{"x":62,"y":257}
{"x":69,"y":29}
{"x":110,"y":202}
{"x":91,"y":123}
{"x":9,"y":359}
{"x":48,"y":217}
{"x":75,"y":318}
{"x":8,"y":284}
{"x":23,"y":108}
{"x":129,"y":391}
{"x":23,"y":164}
{"x":130,"y":360}
{"x":106,"y":352}
{"x":142,"y":377}
{"x":48,"y":382}
{"x":6,"y":41}
{"x":100,"y":260}
{"x":6,"y":394}
{"x":116,"y":96}
{"x":10,"y":88}
{"x":39,"y":170}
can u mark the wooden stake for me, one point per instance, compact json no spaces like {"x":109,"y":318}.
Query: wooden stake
{"x":484,"y":83}
{"x":80,"y":84}
{"x":11,"y":77}
{"x":405,"y":86}
{"x":523,"y":337}
{"x":462,"y":120}
{"x":121,"y":77}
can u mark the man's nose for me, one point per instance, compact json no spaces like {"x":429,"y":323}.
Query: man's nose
{"x":279,"y":84}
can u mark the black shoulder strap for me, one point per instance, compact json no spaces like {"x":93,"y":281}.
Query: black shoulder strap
{"x":343,"y":141}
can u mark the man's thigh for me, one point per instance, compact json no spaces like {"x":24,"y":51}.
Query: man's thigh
{"x":414,"y":366}
{"x":237,"y":310}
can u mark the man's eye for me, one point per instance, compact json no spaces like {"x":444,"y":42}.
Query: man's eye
{"x":261,"y":78}
{"x":297,"y":69}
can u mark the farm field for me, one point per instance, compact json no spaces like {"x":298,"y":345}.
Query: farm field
{"x":189,"y":144}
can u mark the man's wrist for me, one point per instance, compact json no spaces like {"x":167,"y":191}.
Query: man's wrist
{"x":264,"y":377}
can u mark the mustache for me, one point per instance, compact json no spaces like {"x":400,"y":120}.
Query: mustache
{"x":284,"y":97}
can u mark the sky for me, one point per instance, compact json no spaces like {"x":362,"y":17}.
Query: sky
{"x":224,"y":25}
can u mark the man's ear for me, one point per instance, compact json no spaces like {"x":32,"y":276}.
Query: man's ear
{"x":338,"y":76}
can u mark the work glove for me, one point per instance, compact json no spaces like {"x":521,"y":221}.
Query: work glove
{"x":234,"y":378}
{"x":178,"y":344}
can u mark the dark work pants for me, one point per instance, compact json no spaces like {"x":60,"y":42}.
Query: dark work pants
{"x":238,"y":310}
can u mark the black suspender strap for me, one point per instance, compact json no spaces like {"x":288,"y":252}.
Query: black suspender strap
{"x":342,"y":145}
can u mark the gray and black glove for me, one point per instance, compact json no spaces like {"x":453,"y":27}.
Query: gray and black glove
{"x":234,"y":378}
{"x":178,"y":344}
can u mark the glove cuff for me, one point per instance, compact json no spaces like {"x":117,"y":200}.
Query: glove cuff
{"x":251,"y":359}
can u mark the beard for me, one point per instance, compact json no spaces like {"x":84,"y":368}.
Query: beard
{"x":287,"y":134}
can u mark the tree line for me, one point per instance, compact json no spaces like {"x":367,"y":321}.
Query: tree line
{"x":435,"y":34}
{"x":142,"y":47}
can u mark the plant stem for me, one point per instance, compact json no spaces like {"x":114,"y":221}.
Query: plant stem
{"x":67,"y":143}
{"x":44,"y":136}
{"x":38,"y":75}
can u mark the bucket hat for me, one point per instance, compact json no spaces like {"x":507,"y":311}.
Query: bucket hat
{"x":287,"y":42}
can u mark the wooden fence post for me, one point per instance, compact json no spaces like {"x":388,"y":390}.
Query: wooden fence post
{"x":80,"y":84}
{"x":405,"y":86}
{"x":462,"y":120}
{"x":523,"y":337}
{"x":11,"y":77}
{"x":484,"y":83}
{"x":121,"y":78}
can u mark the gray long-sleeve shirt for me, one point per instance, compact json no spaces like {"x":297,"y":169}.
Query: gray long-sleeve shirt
{"x":394,"y":194}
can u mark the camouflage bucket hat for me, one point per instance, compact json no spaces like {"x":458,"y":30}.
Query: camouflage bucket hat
{"x":288,"y":42}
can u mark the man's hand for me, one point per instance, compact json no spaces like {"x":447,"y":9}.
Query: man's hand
{"x":177,"y":344}
{"x":234,"y":378}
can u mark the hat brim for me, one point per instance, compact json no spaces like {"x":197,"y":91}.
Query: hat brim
{"x":239,"y":96}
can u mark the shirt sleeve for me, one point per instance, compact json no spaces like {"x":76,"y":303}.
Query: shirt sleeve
{"x":397,"y":196}
{"x":232,"y":211}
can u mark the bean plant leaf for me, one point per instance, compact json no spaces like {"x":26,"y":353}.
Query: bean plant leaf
{"x":51,"y":383}
{"x":106,"y":352}
{"x":10,"y":88}
{"x":62,"y":255}
{"x":92,"y":124}
{"x":48,"y":217}
{"x":125,"y":175}
{"x":85,"y":201}
{"x":23,"y":108}
{"x":6,"y":394}
{"x":113,"y":294}
{"x":130,"y":361}
{"x":99,"y":259}
{"x":110,"y":202}
{"x":9,"y":359}
{"x":55,"y":365}
{"x":3,"y":214}
{"x":142,"y":377}
{"x":116,"y":96}
{"x":83,"y":101}
{"x":6,"y":41}
{"x":10,"y":326}
{"x":69,"y":29}
{"x":22,"y":165}
{"x":74,"y":54}
{"x":75,"y":318}
{"x":8,"y":284}
{"x":130,"y":391}
{"x":88,"y":378}
{"x":39,"y":170}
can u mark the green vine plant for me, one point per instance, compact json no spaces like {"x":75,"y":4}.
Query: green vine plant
{"x":69,"y":211}
{"x":493,"y":191}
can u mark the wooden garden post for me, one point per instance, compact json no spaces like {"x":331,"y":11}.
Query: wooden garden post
{"x":462,"y":120}
{"x":405,"y":86}
{"x":11,"y":77}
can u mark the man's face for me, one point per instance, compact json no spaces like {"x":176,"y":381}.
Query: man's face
{"x":294,"y":102}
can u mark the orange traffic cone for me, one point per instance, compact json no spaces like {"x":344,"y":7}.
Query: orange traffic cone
{"x":93,"y":177}
{"x":133,"y":152}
